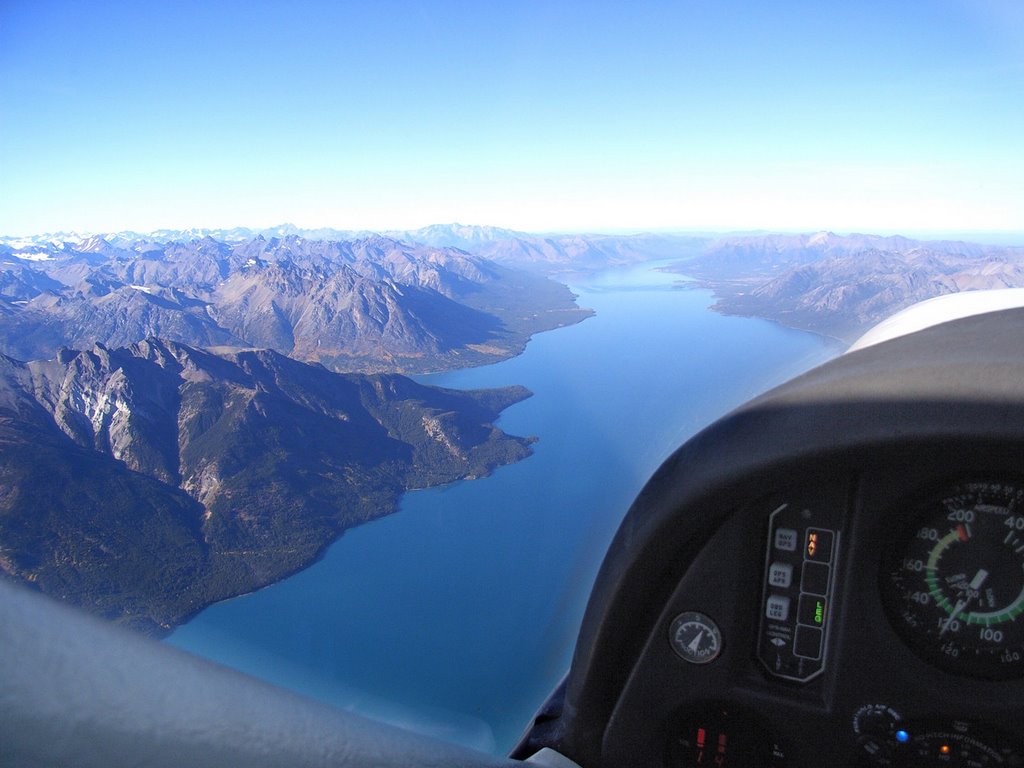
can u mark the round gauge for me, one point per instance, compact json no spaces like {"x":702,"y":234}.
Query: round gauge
{"x":954,"y":587}
{"x":695,"y":637}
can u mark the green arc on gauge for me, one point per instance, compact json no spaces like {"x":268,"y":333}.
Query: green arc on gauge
{"x":931,"y":578}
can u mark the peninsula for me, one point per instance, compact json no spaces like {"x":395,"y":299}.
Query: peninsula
{"x":147,"y":482}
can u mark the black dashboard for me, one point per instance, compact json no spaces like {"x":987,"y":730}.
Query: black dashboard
{"x":832,"y":575}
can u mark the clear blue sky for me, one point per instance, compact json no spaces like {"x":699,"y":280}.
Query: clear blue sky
{"x":904,"y":115}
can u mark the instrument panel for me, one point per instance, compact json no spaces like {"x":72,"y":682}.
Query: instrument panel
{"x":888,"y":630}
{"x":831,"y":575}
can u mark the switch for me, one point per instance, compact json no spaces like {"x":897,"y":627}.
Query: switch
{"x":777,"y":608}
{"x":780,"y":575}
{"x":786,"y":539}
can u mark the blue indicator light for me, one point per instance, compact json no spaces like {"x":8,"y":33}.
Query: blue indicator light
{"x":902,"y":736}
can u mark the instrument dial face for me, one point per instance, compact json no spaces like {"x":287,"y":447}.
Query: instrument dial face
{"x":695,"y":638}
{"x":954,"y":587}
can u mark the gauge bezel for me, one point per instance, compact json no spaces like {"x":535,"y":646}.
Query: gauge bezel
{"x":924,"y":504}
{"x":702,"y":619}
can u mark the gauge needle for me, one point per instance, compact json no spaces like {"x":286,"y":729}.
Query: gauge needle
{"x":976,"y":582}
{"x":979,"y":578}
{"x":694,"y":645}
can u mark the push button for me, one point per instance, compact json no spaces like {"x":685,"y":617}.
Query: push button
{"x":786,"y":539}
{"x":780,"y":575}
{"x":777,"y":608}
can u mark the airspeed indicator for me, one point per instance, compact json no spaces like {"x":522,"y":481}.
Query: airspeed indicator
{"x":954,"y":587}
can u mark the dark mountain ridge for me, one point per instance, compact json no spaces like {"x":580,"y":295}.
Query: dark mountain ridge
{"x":147,"y":482}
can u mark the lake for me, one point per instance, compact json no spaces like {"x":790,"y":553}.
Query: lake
{"x":457,"y":615}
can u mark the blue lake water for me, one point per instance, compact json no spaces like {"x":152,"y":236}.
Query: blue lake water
{"x":457,"y":615}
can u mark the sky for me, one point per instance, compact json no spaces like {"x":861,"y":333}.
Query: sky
{"x":851,"y":116}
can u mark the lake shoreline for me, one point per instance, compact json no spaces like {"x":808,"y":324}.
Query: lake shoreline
{"x":416,"y":608}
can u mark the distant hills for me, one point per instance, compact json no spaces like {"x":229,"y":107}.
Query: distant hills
{"x":551,"y":253}
{"x":436,"y":235}
{"x":370,"y":304}
{"x":841,"y":285}
{"x":147,"y":482}
{"x":560,"y":255}
{"x":470,"y":294}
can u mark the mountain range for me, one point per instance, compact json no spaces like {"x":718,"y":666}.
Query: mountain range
{"x":837,"y":285}
{"x":461,"y":236}
{"x":549,"y":253}
{"x":147,"y":482}
{"x":841,"y":285}
{"x":371,"y":304}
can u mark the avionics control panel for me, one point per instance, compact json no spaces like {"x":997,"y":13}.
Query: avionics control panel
{"x":801,"y":559}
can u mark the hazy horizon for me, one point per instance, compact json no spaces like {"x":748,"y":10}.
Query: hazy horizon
{"x":1002,"y":238}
